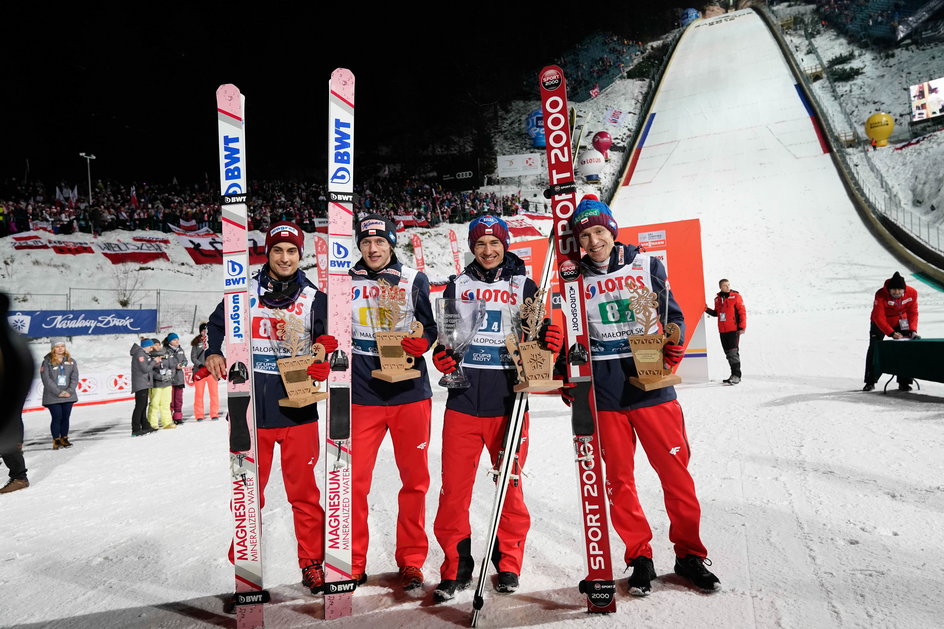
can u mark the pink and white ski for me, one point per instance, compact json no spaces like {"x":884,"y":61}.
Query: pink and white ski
{"x":339,"y":582}
{"x":247,"y":535}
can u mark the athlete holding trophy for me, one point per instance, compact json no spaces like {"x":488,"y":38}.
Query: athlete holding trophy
{"x":390,"y":391}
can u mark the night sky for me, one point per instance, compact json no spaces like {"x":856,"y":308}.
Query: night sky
{"x":135,"y":83}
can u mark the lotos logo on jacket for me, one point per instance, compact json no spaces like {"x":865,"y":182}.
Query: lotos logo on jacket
{"x":613,"y":284}
{"x":490,"y":294}
{"x":374,"y":292}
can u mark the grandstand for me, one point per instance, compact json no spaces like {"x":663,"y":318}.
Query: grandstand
{"x":878,"y":21}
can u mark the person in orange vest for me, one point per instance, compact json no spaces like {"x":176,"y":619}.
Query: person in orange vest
{"x":732,"y":322}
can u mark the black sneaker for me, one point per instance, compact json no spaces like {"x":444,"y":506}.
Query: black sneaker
{"x":446,"y":590}
{"x":640,"y":581}
{"x":901,"y":387}
{"x":869,"y":386}
{"x":507,"y":583}
{"x":693,"y":568}
{"x":733,"y":380}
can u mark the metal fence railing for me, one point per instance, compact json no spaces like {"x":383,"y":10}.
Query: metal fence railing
{"x":853,"y":152}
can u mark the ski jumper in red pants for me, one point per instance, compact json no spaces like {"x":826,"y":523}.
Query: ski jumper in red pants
{"x":294,"y":429}
{"x":478,"y":416}
{"x":627,"y":413}
{"x":401,"y":408}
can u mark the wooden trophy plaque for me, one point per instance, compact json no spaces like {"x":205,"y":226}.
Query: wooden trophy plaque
{"x":535,"y":365}
{"x":647,"y":348}
{"x":395,"y":364}
{"x":302,"y":390}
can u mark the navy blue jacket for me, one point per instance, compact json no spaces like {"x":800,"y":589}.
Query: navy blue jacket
{"x":370,"y":391}
{"x":268,"y":388}
{"x":492,"y":391}
{"x":610,"y":377}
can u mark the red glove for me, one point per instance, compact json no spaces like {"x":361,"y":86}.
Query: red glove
{"x":319,"y":371}
{"x":672,"y":355}
{"x":201,"y":373}
{"x":444,"y":360}
{"x":566,"y":396}
{"x":551,"y":336}
{"x":415,"y":346}
{"x":330,"y":343}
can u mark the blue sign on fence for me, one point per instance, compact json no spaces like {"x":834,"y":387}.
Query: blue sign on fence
{"x":39,"y":323}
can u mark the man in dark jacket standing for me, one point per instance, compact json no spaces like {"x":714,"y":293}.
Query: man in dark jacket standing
{"x":389,"y":296}
{"x":732,"y":322}
{"x":895,"y":315}
{"x":278,"y":290}
{"x":626,"y":413}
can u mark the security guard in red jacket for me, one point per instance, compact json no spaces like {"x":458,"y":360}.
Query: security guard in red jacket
{"x":732,"y":321}
{"x":894,"y":314}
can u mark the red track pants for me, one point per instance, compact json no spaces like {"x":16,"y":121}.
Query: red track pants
{"x":298,"y":446}
{"x":463,"y":438}
{"x":661,"y":431}
{"x":409,"y":426}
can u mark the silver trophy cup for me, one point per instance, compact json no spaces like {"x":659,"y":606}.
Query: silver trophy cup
{"x":457,"y":321}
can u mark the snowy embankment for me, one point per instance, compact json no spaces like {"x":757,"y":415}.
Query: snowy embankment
{"x":912,"y":170}
{"x":821,"y":503}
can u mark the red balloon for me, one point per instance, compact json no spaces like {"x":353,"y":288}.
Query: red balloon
{"x":602,"y":142}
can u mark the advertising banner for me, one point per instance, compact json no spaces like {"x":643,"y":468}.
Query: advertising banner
{"x":419,"y":260}
{"x":517,"y":165}
{"x":927,"y":99}
{"x":45,"y":323}
{"x":454,"y":245}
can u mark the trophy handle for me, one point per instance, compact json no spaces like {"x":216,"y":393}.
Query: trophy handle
{"x":317,"y":352}
{"x":672,"y":334}
{"x":416,"y":330}
{"x":511,"y":343}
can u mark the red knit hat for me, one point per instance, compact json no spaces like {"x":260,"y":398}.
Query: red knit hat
{"x":285,"y":231}
{"x":489,"y":225}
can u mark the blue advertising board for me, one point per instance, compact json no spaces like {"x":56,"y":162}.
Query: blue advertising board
{"x":40,"y":323}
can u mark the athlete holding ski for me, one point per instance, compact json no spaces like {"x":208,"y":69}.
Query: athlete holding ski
{"x":477,"y":415}
{"x":280,"y":286}
{"x":401,"y":408}
{"x":626,"y":412}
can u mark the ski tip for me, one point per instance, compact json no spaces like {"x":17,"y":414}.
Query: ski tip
{"x":229,"y":100}
{"x":551,"y":79}
{"x":342,"y":84}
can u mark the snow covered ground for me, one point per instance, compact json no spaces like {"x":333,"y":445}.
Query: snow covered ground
{"x":822,"y":504}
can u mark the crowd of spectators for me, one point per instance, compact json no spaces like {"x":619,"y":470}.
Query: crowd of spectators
{"x":596,"y":62}
{"x":157,"y":206}
{"x":867,"y":19}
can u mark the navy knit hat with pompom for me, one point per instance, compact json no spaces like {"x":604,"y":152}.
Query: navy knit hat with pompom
{"x":592,"y":211}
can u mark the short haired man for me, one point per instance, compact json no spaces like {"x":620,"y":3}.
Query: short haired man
{"x":626,"y":413}
{"x":280,"y":287}
{"x":401,"y":408}
{"x":732,"y":323}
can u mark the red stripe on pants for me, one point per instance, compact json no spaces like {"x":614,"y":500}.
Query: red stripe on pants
{"x":463,"y":438}
{"x":661,"y":431}
{"x":298,"y":447}
{"x":409,"y":426}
